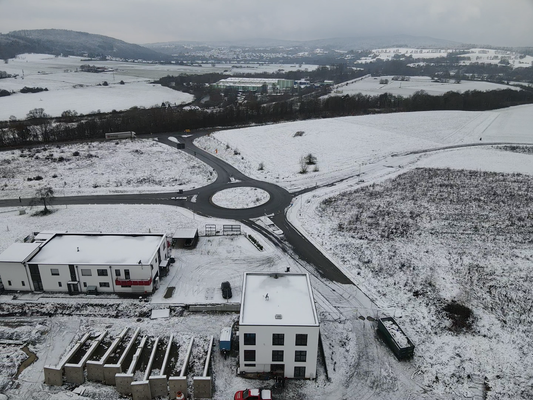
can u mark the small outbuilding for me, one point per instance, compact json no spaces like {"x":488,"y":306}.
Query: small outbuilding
{"x":185,"y":237}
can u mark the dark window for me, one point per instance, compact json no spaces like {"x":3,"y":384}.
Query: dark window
{"x":84,"y":284}
{"x":60,"y":284}
{"x":299,"y":372}
{"x":8,"y":283}
{"x":249,"y":355}
{"x":101,"y":272}
{"x":103,"y":284}
{"x":278,"y":339}
{"x":54,"y":271}
{"x":249,"y":365}
{"x":23,"y":283}
{"x":300,"y":356}
{"x":86,"y":272}
{"x":117,"y":272}
{"x":301,"y":339}
{"x":277,"y":355}
{"x":249,"y":339}
{"x":127,"y":274}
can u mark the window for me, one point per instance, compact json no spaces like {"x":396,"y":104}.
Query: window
{"x":299,"y":372}
{"x":300,"y":356}
{"x":249,"y":355}
{"x":117,"y":272}
{"x":23,"y":283}
{"x":301,"y":339}
{"x":86,"y":272}
{"x":249,"y":365}
{"x":103,"y":284}
{"x":249,"y":339}
{"x":8,"y":283}
{"x":60,"y":284}
{"x":101,"y":272}
{"x":84,"y":284}
{"x":54,"y":271}
{"x":278,"y":339}
{"x":277,"y":355}
{"x":127,"y":274}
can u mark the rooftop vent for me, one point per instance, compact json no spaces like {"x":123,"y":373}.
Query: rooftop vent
{"x":279,"y":316}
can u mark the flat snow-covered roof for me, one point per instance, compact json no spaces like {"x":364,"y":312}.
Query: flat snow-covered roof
{"x":109,"y":249}
{"x":277,"y":299}
{"x":18,"y":252}
{"x":185,"y":233}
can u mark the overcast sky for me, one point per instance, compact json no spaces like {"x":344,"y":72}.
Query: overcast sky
{"x":494,"y":22}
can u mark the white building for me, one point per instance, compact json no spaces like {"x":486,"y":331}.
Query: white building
{"x":78,"y":262}
{"x":278,"y":326}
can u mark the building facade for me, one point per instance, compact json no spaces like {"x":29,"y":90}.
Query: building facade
{"x":81,"y":262}
{"x":278,"y":326}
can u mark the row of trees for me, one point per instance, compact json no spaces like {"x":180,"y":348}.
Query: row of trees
{"x":168,"y":119}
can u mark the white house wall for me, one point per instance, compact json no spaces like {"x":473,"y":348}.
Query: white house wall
{"x":14,"y":276}
{"x":264,"y":347}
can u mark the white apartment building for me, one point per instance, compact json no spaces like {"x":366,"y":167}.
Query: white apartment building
{"x":278,"y":325}
{"x":81,"y":262}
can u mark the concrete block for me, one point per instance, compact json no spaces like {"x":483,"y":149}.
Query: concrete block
{"x":53,"y":376}
{"x":95,"y":371}
{"x":203,"y":387}
{"x":177,"y":384}
{"x":110,"y":370}
{"x":123,"y":383}
{"x":74,"y":373}
{"x":140,"y":390}
{"x":158,"y":385}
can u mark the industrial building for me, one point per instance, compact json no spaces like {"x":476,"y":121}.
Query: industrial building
{"x":278,"y":326}
{"x":266,"y":85}
{"x":86,"y":262}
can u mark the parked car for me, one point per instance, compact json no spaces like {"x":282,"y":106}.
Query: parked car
{"x":253,"y":394}
{"x":226,"y":290}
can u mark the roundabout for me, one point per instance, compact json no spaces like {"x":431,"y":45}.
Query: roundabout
{"x":240,"y":197}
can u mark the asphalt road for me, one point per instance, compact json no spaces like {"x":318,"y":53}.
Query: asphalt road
{"x":227,"y":177}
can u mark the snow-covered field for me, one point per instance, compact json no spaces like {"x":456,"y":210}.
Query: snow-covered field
{"x":71,"y":89}
{"x":123,"y":166}
{"x":421,"y":241}
{"x":371,"y":86}
{"x":350,"y":145}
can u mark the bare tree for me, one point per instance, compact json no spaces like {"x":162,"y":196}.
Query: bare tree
{"x":44,"y":195}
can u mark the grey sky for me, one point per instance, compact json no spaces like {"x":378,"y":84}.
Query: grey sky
{"x":495,"y":22}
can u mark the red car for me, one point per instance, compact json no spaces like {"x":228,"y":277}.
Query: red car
{"x":253,"y":394}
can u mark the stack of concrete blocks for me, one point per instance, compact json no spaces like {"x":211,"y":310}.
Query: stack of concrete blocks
{"x":54,"y":375}
{"x":110,"y":370}
{"x":123,"y":380}
{"x":140,"y":390}
{"x":75,"y":373}
{"x":203,"y":385}
{"x":95,"y":368}
{"x":159,"y":383}
{"x":179,"y":383}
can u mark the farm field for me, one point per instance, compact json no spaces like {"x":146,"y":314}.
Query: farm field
{"x":103,"y":167}
{"x":371,"y":86}
{"x":83,"y":92}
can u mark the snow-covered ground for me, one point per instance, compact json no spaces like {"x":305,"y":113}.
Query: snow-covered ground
{"x":350,"y":145}
{"x":71,"y":89}
{"x":371,"y":86}
{"x":104,"y":167}
{"x":240,"y":197}
{"x":437,"y":262}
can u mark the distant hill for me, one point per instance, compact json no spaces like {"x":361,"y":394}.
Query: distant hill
{"x":59,"y":41}
{"x":343,"y":44}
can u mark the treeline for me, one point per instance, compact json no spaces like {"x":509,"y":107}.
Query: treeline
{"x":175,"y":119}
